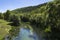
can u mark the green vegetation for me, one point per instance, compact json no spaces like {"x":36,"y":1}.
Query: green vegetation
{"x":44,"y":18}
{"x":4,"y":29}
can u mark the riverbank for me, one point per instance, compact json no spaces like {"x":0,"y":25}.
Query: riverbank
{"x":4,"y":28}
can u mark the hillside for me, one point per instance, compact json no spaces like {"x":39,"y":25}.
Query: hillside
{"x":44,"y":19}
{"x":27,"y":9}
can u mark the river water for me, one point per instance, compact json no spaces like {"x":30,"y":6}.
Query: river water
{"x":25,"y":34}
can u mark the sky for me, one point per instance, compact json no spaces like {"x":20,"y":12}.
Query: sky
{"x":13,"y":4}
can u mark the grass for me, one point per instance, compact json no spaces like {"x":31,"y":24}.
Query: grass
{"x":4,"y":28}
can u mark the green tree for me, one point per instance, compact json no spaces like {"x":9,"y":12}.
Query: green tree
{"x":7,"y":15}
{"x":15,"y":20}
{"x":1,"y":16}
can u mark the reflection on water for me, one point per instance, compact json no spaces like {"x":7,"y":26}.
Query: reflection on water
{"x":26,"y":34}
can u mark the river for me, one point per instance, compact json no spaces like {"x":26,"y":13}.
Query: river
{"x":25,"y":34}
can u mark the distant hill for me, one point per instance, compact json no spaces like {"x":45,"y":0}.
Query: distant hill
{"x":27,"y":9}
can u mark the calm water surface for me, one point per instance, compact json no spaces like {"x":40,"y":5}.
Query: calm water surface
{"x":26,"y":34}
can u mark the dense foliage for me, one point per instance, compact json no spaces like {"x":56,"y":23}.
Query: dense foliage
{"x":44,"y":17}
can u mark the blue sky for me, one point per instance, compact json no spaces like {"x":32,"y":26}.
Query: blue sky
{"x":13,"y":4}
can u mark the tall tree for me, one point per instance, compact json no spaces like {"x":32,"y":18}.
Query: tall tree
{"x":1,"y":16}
{"x":6,"y":15}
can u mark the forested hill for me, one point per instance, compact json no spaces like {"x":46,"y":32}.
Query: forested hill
{"x":38,"y":8}
{"x":45,"y":18}
{"x":28,"y":9}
